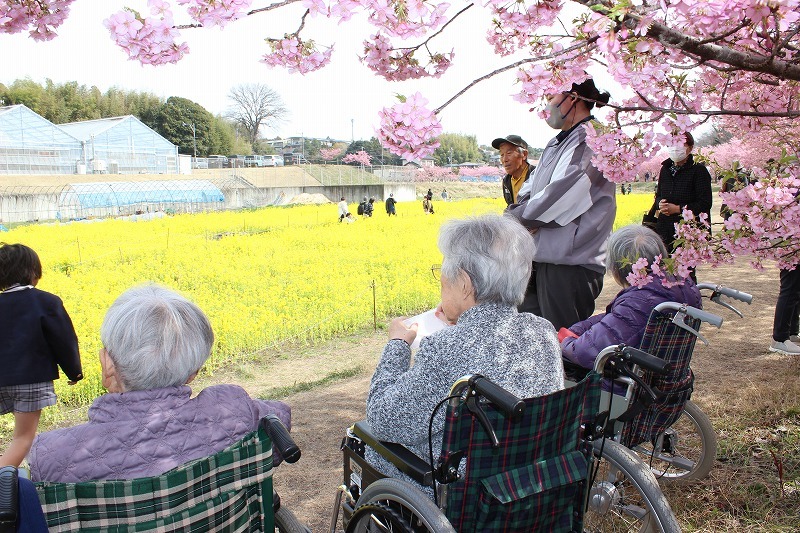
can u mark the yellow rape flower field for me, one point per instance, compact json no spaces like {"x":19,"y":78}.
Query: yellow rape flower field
{"x":267,"y":276}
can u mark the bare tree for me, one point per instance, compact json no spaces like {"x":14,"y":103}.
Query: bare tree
{"x":256,"y":105}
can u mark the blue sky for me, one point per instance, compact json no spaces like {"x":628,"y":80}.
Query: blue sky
{"x":341,"y":100}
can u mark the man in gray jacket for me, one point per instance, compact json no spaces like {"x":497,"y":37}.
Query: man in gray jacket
{"x":569,"y":207}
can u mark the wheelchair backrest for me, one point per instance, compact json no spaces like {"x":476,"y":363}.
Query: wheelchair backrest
{"x":665,"y":340}
{"x":536,"y":479}
{"x":230,"y":491}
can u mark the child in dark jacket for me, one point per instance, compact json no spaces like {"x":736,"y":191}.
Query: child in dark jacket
{"x":38,"y":336}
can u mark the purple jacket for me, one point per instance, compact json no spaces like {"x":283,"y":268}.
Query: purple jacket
{"x":145,"y":433}
{"x":624,"y":319}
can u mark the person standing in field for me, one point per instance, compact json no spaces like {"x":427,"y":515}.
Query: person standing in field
{"x":37,"y":337}
{"x":343,"y":209}
{"x":390,"y":209}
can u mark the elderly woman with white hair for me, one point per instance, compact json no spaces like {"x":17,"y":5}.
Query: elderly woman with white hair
{"x":626,"y":316}
{"x":155,"y":342}
{"x":484,"y":273}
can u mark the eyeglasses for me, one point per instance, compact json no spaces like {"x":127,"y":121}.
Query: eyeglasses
{"x":436,"y":270}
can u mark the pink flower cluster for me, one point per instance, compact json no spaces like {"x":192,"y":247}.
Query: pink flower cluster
{"x":39,"y":17}
{"x":514,"y":24}
{"x":296,"y":55}
{"x":360,"y":157}
{"x":151,"y":41}
{"x":217,"y":12}
{"x":617,"y":155}
{"x":398,"y":64}
{"x":329,"y":153}
{"x":409,"y":129}
{"x":482,"y":171}
{"x":406,"y":18}
{"x":435,"y":174}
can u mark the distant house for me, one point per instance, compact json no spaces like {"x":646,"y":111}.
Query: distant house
{"x":425,"y":162}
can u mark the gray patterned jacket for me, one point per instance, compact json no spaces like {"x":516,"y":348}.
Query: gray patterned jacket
{"x":518,"y":351}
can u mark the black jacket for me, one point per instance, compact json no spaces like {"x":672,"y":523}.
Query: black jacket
{"x":689,"y":188}
{"x":508,"y":195}
{"x":37,"y":338}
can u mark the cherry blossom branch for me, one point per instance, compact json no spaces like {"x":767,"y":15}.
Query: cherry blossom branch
{"x":439,"y":31}
{"x":582,"y":44}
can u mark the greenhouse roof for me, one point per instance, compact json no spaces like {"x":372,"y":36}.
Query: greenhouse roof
{"x":118,"y":131}
{"x":21,"y":127}
{"x":119,"y":193}
{"x":85,"y":129}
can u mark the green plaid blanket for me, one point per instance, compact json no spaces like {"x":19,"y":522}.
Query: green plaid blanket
{"x":230,"y":491}
{"x":536,"y":479}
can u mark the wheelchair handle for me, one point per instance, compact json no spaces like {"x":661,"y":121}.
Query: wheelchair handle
{"x":699,"y":314}
{"x":628,"y":354}
{"x":281,"y":439}
{"x":727,"y":291}
{"x":511,"y":406}
{"x":644,"y":360}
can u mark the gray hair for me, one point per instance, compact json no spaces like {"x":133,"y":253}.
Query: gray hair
{"x":627,"y":245}
{"x":155,"y":337}
{"x":496,"y":252}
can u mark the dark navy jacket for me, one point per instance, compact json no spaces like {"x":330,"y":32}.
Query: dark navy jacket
{"x":37,"y":337}
{"x":624,"y":320}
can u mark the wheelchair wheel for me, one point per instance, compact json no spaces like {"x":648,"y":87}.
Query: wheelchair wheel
{"x":287,"y":522}
{"x":625,"y":495}
{"x":377,"y":517}
{"x":686,"y":450}
{"x":409,"y":502}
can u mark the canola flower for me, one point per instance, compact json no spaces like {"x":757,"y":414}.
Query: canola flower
{"x":266,"y":276}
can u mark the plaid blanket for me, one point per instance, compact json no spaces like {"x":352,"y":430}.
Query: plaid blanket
{"x":675,"y":345}
{"x":536,"y":479}
{"x":230,"y":491}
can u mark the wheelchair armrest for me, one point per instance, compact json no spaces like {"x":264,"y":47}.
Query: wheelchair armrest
{"x":404,"y":459}
{"x":9,"y":498}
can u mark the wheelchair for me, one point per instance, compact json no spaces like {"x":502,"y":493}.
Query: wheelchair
{"x":539,"y":464}
{"x":230,"y":491}
{"x":655,"y":416}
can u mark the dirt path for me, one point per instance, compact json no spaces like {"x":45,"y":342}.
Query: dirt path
{"x":734,"y":374}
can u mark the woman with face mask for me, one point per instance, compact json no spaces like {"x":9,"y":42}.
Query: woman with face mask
{"x":682,"y":184}
{"x":569,"y":207}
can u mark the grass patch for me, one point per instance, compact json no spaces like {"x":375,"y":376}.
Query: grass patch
{"x":277,"y":393}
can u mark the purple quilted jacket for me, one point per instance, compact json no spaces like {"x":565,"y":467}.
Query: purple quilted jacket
{"x":624,"y":319}
{"x":145,"y":433}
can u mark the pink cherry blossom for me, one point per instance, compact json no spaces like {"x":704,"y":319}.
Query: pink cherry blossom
{"x":409,"y":129}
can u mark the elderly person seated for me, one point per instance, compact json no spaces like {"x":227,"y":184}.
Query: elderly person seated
{"x":626,"y":316}
{"x":154,"y":343}
{"x":484,"y":273}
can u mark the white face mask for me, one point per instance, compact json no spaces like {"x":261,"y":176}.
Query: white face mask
{"x":554,"y":117}
{"x":676,"y":153}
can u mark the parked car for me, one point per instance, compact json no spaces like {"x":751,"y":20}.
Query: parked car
{"x":273,"y":160}
{"x":217,"y":161}
{"x":254,"y":161}
{"x":237,"y":161}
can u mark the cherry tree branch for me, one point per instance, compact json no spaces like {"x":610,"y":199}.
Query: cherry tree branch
{"x":426,"y":41}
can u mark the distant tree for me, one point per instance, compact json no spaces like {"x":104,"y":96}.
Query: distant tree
{"x":254,"y":106}
{"x":175,"y":122}
{"x":455,"y":149}
{"x":377,"y":153}
{"x":28,"y":93}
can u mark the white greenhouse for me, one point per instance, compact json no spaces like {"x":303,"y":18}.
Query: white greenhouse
{"x":30,"y":144}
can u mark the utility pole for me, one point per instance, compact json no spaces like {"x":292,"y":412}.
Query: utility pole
{"x":194,"y":138}
{"x":352,"y":138}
